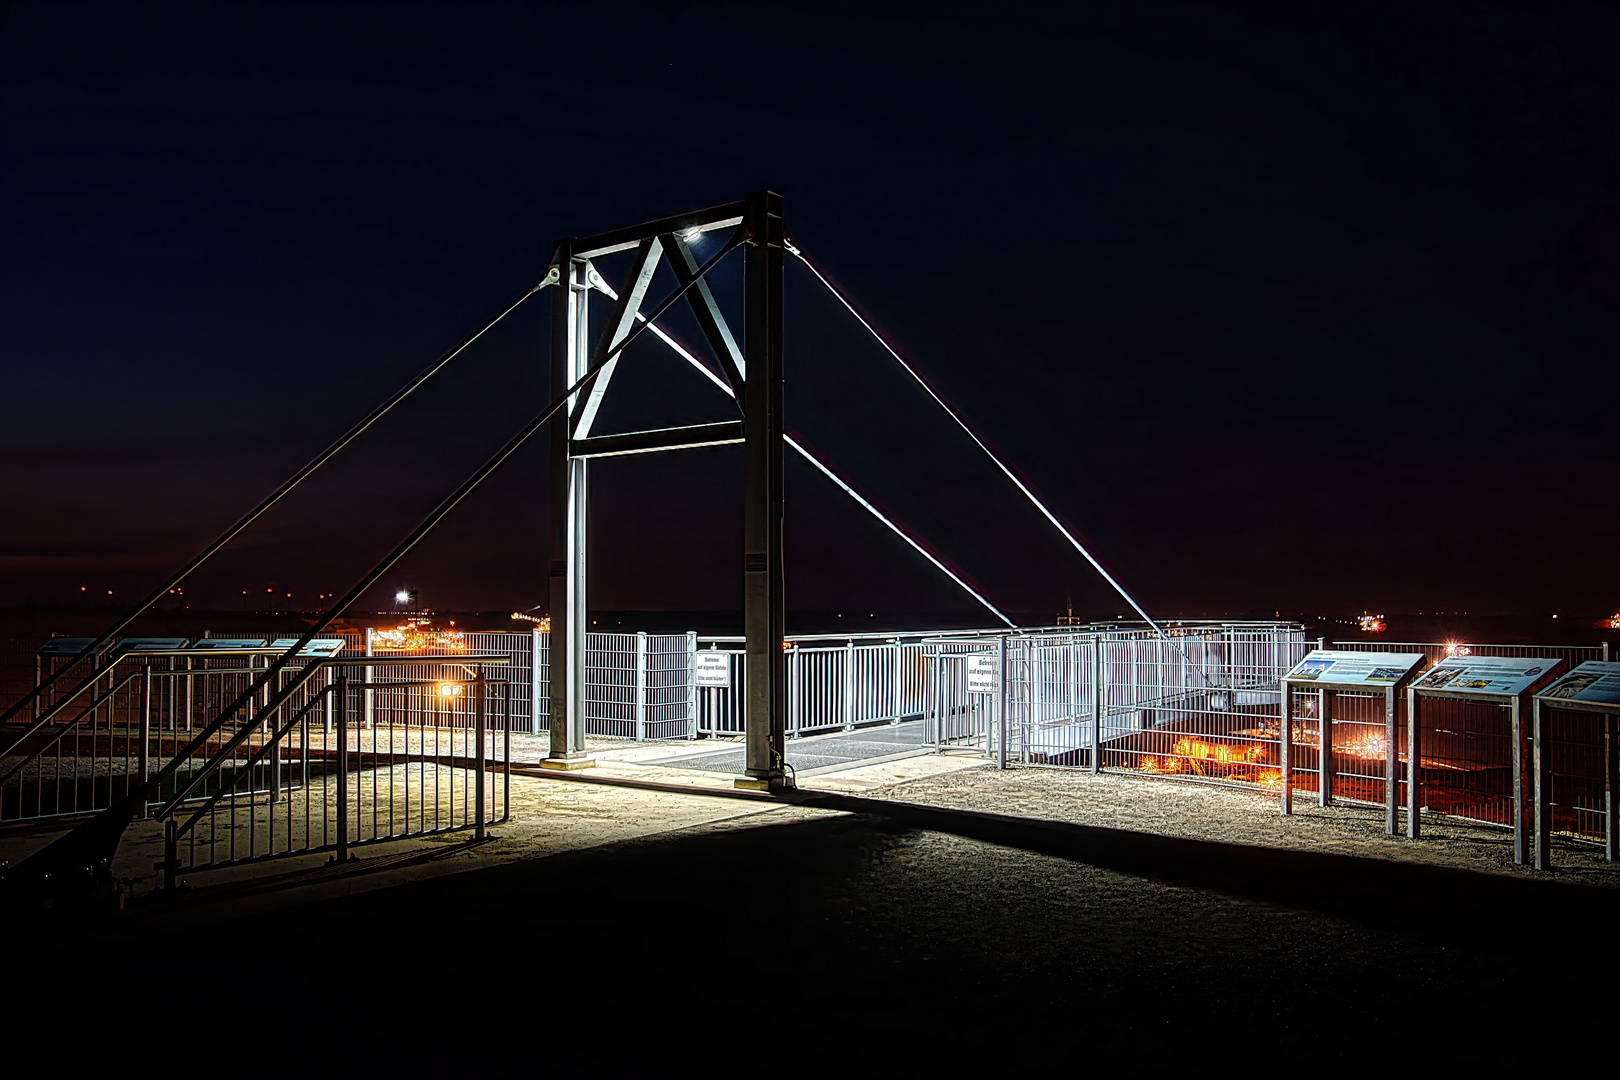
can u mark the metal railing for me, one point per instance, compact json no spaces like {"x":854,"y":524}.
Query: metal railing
{"x":310,"y":780}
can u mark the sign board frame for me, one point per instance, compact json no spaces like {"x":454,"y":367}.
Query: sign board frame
{"x":1331,"y":671}
{"x":1592,"y":687}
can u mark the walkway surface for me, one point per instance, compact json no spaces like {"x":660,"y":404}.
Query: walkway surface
{"x":815,"y":754}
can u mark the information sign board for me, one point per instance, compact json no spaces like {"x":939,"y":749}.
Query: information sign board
{"x":229,"y":643}
{"x":150,"y":644}
{"x":1332,"y":667}
{"x":711,"y":667}
{"x":64,"y":646}
{"x":983,"y":674}
{"x":1596,"y":682}
{"x":1508,"y":676}
{"x":321,"y":646}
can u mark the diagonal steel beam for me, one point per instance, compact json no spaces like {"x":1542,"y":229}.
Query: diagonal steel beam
{"x":620,"y":323}
{"x":709,"y":318}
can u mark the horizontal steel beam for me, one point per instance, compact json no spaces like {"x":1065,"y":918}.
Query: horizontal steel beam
{"x":715,"y":217}
{"x":647,"y":442}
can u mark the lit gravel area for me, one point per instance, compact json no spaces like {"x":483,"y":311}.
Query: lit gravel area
{"x":1211,"y":812}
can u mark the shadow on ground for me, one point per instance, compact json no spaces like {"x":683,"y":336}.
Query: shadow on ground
{"x":860,"y":945}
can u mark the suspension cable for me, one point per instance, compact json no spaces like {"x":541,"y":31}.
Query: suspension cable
{"x":602,"y":286}
{"x":551,"y":278}
{"x":849,"y":306}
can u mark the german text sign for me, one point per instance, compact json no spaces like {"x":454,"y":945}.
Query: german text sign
{"x":711,"y":668}
{"x":1596,"y":682}
{"x":1330,"y":667}
{"x":1506,"y":675}
{"x":983,"y":675}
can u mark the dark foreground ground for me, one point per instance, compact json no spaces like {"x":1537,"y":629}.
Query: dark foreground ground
{"x":841,"y":945}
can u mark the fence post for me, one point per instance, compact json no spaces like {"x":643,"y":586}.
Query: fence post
{"x":369,"y":718}
{"x":1611,"y":777}
{"x":849,"y":685}
{"x":145,"y":766}
{"x":535,"y":687}
{"x":1325,"y":772}
{"x":1414,"y":767}
{"x":641,"y":686}
{"x":1521,"y":832}
{"x":691,"y":685}
{"x":479,"y":686}
{"x":1285,"y":744}
{"x":171,"y":853}
{"x":1541,"y":755}
{"x":1097,"y":703}
{"x":1392,"y":754}
{"x":899,"y":680}
{"x":1001,"y":702}
{"x":341,"y":722}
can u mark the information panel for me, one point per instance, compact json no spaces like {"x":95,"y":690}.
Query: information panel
{"x":1508,"y":676}
{"x":1596,"y":682}
{"x":150,"y":644}
{"x":1331,"y":667}
{"x":321,"y":646}
{"x":207,"y":643}
{"x":64,"y":646}
{"x":711,"y":667}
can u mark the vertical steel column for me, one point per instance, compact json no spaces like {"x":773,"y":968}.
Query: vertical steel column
{"x":1414,"y":767}
{"x":899,"y":679}
{"x":340,"y":721}
{"x":1324,"y":767}
{"x":570,"y":323}
{"x":480,"y":725}
{"x":849,"y":685}
{"x":1285,"y":745}
{"x":1392,"y":747}
{"x":1541,"y":755}
{"x":1097,"y":702}
{"x":1521,"y":805}
{"x":764,"y":583}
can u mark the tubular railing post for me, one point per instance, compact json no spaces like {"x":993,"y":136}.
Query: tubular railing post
{"x":691,"y":685}
{"x":1611,"y":778}
{"x":1285,"y":744}
{"x":899,"y":680}
{"x":341,"y":722}
{"x":1001,"y":702}
{"x":1521,"y":831}
{"x":1096,"y":703}
{"x":171,"y":853}
{"x":1392,"y":755}
{"x":849,"y":686}
{"x":641,"y":686}
{"x":1542,"y":769}
{"x":536,"y":686}
{"x":1325,"y":703}
{"x":479,"y":686}
{"x":144,"y":768}
{"x":1414,"y":767}
{"x":369,"y":718}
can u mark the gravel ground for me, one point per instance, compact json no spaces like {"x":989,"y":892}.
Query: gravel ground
{"x":1231,"y":815}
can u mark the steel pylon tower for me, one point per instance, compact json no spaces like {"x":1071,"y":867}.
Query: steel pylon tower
{"x":754,"y":374}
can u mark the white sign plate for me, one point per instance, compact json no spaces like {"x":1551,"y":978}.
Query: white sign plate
{"x":983,"y":676}
{"x":1506,"y":675}
{"x":1331,"y":667}
{"x":1596,"y":682}
{"x":711,"y":668}
{"x":321,"y":646}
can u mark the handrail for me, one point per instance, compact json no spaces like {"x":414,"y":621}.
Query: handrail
{"x":95,"y":703}
{"x":275,"y":739}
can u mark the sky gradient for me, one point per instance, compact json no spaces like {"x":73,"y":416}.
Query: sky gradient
{"x":1279,"y":309}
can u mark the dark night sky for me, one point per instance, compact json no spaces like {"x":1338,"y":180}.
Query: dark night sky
{"x":1281,"y":309}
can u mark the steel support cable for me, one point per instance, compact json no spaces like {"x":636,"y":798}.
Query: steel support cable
{"x":849,"y":305}
{"x":428,"y":524}
{"x":726,"y":389}
{"x":354,"y":432}
{"x":331,"y":614}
